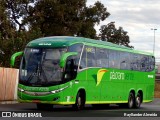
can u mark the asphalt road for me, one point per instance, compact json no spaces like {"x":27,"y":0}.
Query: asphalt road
{"x":152,"y":109}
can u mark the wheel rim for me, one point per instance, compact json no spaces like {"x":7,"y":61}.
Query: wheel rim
{"x":130,"y":101}
{"x":138,"y":101}
{"x":79,"y":102}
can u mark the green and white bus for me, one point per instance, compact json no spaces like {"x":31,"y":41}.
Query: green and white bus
{"x":76,"y":71}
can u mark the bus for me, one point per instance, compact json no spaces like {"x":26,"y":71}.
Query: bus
{"x":65,"y":70}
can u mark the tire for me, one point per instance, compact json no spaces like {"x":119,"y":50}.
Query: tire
{"x":138,"y":101}
{"x":131,"y":100}
{"x":44,"y":106}
{"x":80,"y":102}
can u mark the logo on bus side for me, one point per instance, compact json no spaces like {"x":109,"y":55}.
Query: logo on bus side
{"x":121,"y":76}
{"x":114,"y":75}
{"x":100,"y":74}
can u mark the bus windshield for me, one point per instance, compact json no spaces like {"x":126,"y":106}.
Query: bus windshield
{"x":40,"y":67}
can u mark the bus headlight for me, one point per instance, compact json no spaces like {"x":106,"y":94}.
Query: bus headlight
{"x":20,"y":89}
{"x":59,"y":90}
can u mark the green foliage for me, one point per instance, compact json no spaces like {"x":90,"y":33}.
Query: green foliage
{"x":13,"y":36}
{"x":24,"y":20}
{"x":66,"y":17}
{"x":18,"y":9}
{"x":111,"y":34}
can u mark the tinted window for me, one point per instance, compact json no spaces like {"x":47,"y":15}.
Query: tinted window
{"x":151,"y":63}
{"x":102,"y":57}
{"x":114,"y":57}
{"x":142,"y":62}
{"x":41,"y":66}
{"x":135,"y":62}
{"x":76,"y":48}
{"x":72,"y":62}
{"x":125,"y":60}
{"x":88,"y":57}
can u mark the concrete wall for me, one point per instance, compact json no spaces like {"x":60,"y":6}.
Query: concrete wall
{"x":157,"y":89}
{"x":8,"y":84}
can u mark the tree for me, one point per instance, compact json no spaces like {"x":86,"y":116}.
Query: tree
{"x":7,"y":31}
{"x":13,"y":33}
{"x":6,"y":27}
{"x":66,"y":17}
{"x":17,"y":11}
{"x":55,"y":17}
{"x":111,"y":34}
{"x":25,"y":20}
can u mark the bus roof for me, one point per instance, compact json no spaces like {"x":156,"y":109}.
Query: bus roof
{"x":64,"y":41}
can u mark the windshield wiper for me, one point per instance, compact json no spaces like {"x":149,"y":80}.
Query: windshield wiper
{"x":44,"y":75}
{"x":34,"y":73}
{"x":38,"y":72}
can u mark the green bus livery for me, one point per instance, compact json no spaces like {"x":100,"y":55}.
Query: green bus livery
{"x":63,"y":70}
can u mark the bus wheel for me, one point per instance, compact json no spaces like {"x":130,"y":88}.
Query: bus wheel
{"x":80,"y":102}
{"x":131,"y":100}
{"x":138,"y":101}
{"x":44,"y":106}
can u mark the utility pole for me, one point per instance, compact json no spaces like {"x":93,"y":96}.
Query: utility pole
{"x":154,"y":39}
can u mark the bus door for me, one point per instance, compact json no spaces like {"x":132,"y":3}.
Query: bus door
{"x":71,"y":76}
{"x":89,"y":70}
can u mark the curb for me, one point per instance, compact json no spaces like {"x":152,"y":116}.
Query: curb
{"x":8,"y":102}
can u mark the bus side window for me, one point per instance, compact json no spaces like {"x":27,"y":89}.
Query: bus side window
{"x":135,"y":62}
{"x":146,"y":63}
{"x":125,"y":60}
{"x":76,"y":48}
{"x":114,"y":57}
{"x":111,"y":59}
{"x":91,"y":60}
{"x":143,"y":62}
{"x":102,"y":57}
{"x":88,"y":57}
{"x":151,"y":63}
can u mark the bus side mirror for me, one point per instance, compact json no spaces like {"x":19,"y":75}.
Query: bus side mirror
{"x":65,"y":56}
{"x":13,"y":57}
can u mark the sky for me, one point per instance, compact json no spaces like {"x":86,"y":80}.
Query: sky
{"x":137,"y":17}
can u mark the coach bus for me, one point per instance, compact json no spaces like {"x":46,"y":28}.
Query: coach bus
{"x":63,"y":70}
